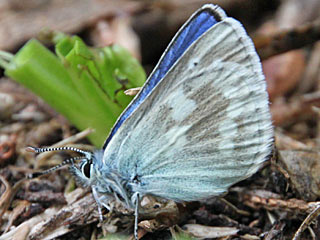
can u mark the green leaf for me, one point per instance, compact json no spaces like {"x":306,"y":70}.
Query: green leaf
{"x":84,"y":84}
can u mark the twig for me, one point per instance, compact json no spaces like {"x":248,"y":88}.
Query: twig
{"x":65,"y":142}
{"x":312,"y":216}
{"x":284,"y":41}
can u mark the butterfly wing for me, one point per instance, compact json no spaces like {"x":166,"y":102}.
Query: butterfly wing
{"x":205,"y":126}
{"x":199,"y":22}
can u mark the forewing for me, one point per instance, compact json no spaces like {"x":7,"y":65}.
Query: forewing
{"x":199,"y":23}
{"x":205,"y":126}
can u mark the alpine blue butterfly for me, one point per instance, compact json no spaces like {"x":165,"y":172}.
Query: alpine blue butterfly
{"x":200,"y":123}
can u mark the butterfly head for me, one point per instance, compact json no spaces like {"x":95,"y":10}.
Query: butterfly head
{"x":87,"y":171}
{"x":91,"y":172}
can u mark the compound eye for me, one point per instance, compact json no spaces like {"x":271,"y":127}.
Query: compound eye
{"x":85,"y":169}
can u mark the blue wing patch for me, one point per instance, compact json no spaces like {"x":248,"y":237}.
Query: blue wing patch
{"x":198,"y":24}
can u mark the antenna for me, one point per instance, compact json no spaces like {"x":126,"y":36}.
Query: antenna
{"x":87,"y":155}
{"x":65,"y":162}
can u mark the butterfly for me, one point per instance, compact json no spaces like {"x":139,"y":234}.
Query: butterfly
{"x":200,"y":123}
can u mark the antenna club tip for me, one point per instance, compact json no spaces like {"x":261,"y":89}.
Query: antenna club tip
{"x":31,"y":149}
{"x":33,"y":175}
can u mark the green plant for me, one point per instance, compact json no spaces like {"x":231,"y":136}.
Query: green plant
{"x":84,"y":84}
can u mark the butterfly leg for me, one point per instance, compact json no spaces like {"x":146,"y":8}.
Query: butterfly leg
{"x":95,"y":195}
{"x":136,"y":216}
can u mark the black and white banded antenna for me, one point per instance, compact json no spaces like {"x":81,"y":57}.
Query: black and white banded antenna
{"x":87,"y":155}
